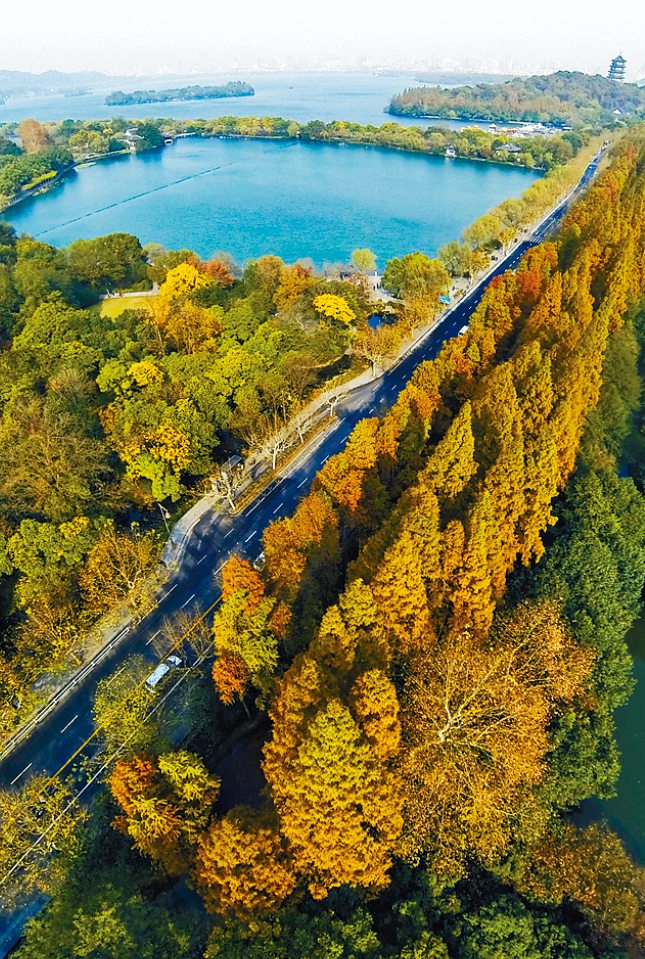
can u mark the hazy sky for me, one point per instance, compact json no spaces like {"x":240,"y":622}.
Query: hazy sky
{"x":130,"y":36}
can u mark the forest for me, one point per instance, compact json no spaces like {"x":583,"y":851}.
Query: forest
{"x":562,"y":99}
{"x":434,"y":646}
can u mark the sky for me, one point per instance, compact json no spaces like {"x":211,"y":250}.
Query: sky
{"x":126,"y":37}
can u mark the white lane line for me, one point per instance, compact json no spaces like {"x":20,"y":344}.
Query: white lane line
{"x":153,"y":637}
{"x":325,"y":459}
{"x":171,"y":589}
{"x":303,"y":483}
{"x":205,"y":556}
{"x":69,"y":724}
{"x":228,"y":534}
{"x":190,"y":599}
{"x":20,"y":774}
{"x":221,"y":566}
{"x":250,"y":536}
{"x":279,"y":506}
{"x":249,"y":511}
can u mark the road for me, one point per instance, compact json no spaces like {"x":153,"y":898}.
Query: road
{"x":69,"y":724}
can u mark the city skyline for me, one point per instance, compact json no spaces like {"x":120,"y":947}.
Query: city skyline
{"x":141,"y":41}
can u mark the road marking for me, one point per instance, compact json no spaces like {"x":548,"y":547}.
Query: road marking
{"x":256,"y":503}
{"x":228,"y":534}
{"x":250,"y":537}
{"x":205,"y":556}
{"x":303,"y":482}
{"x":20,"y":774}
{"x":221,"y":566}
{"x":171,"y":589}
{"x":325,"y":459}
{"x":279,"y":506}
{"x":69,"y":724}
{"x":153,"y":637}
{"x":190,"y":598}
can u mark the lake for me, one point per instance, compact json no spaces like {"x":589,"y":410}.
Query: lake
{"x":359,"y":97}
{"x":253,"y":197}
{"x":625,"y":813}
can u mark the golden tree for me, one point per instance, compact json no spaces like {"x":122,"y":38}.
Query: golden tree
{"x":242,"y":866}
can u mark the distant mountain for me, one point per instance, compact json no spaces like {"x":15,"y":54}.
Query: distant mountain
{"x":18,"y":83}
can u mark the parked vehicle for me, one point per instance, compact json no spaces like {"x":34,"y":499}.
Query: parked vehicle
{"x":162,"y":670}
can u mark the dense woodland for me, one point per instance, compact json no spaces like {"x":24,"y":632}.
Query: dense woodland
{"x":104,"y":417}
{"x":562,"y":99}
{"x":437,"y":642}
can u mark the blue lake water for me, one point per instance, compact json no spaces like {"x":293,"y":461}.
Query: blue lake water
{"x":359,"y":97}
{"x":293,"y":199}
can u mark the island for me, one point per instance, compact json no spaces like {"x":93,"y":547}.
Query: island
{"x":235,"y":88}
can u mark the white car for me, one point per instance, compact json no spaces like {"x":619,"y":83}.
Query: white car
{"x":463,"y":330}
{"x":162,"y":670}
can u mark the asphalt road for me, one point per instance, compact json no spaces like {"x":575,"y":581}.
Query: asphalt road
{"x":69,"y":724}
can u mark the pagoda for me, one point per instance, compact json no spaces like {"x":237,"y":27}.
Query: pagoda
{"x":617,"y":68}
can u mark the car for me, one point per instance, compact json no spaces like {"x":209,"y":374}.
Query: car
{"x":463,"y":330}
{"x":259,"y":562}
{"x":162,"y":670}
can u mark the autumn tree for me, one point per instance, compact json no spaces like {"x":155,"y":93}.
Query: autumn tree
{"x":243,"y":865}
{"x":118,"y":565}
{"x":338,"y":806}
{"x":167,"y":802}
{"x":334,"y":308}
{"x":244,"y":639}
{"x":476,"y":720}
{"x":33,"y":136}
{"x":376,"y":346}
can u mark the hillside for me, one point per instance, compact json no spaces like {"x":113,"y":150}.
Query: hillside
{"x":562,"y":98}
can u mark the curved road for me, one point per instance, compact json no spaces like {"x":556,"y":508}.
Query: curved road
{"x":69,"y":724}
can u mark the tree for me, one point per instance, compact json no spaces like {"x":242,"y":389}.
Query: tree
{"x":364,"y":260}
{"x":122,"y":709}
{"x":483,"y":231}
{"x":106,"y":262}
{"x":36,"y":819}
{"x":33,"y":136}
{"x":242,"y":865}
{"x":334,"y":308}
{"x":167,"y":803}
{"x":118,"y":566}
{"x":590,"y":868}
{"x":416,"y":276}
{"x":52,"y":465}
{"x":338,"y":805}
{"x":227,"y":483}
{"x":242,"y":630}
{"x":476,"y":721}
{"x":376,"y":345}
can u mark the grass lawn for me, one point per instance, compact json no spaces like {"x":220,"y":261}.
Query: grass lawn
{"x":116,"y":305}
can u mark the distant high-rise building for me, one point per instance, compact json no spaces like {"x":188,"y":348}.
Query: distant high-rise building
{"x":617,"y":68}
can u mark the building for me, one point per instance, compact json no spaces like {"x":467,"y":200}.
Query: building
{"x":617,"y":68}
